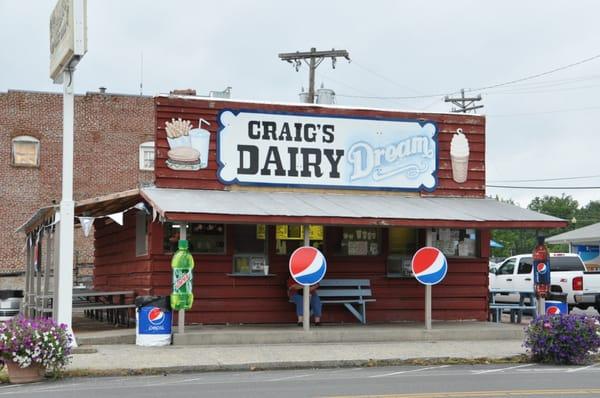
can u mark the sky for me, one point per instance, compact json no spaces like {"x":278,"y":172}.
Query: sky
{"x":539,"y":128}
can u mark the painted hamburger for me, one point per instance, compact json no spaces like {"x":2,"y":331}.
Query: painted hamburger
{"x":183,"y":158}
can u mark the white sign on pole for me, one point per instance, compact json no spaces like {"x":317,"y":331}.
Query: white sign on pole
{"x":68,"y":36}
{"x":68,"y":43}
{"x":290,"y":149}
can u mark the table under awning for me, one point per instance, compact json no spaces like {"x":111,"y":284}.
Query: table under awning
{"x":376,"y":209}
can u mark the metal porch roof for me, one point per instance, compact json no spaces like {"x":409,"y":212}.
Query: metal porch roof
{"x":342,"y":205}
{"x":591,"y":233}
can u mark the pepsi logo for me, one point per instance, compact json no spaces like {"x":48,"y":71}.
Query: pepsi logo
{"x":429,"y":265}
{"x":307,"y":265}
{"x":542,"y":268}
{"x":553,"y":310}
{"x":156,"y":316}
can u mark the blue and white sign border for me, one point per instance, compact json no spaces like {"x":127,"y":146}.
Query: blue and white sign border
{"x":236,"y":180}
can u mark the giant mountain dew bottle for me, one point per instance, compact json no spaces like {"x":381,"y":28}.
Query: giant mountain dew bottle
{"x":182,"y":264}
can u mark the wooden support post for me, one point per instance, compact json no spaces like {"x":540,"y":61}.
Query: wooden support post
{"x":47,"y":269}
{"x":25,"y":308}
{"x":429,"y":242}
{"x":37,"y":245}
{"x":306,"y":289}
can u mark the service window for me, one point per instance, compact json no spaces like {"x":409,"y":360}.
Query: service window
{"x":507,"y":268}
{"x":290,"y":237}
{"x":351,"y":241}
{"x":202,"y":237}
{"x":250,"y":247}
{"x":456,"y":242}
{"x":403,"y":243}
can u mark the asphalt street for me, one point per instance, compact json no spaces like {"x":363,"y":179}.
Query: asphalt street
{"x":507,"y":380}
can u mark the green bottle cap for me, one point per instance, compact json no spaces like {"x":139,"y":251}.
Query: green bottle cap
{"x":183,"y":244}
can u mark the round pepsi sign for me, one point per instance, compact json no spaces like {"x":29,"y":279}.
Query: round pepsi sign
{"x":429,"y":265}
{"x":307,"y":265}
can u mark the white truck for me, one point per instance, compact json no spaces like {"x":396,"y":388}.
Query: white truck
{"x":568,"y":275}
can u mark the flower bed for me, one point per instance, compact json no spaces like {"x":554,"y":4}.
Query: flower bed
{"x":30,"y":341}
{"x":563,"y":339}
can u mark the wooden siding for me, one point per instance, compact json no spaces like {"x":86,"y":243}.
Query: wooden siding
{"x":116,"y":267}
{"x":222,"y":298}
{"x":194,"y":109}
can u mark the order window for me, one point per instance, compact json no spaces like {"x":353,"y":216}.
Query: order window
{"x":350,"y":241}
{"x":403,"y":244}
{"x":250,"y":246}
{"x":456,"y":242}
{"x":290,"y":237}
{"x":202,"y":237}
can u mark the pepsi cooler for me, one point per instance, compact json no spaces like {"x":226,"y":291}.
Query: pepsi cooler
{"x":153,"y":321}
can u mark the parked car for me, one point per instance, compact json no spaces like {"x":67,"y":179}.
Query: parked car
{"x":568,"y":275}
{"x":590,"y":297}
{"x":492,"y":266}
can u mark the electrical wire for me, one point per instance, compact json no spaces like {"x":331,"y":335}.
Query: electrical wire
{"x":489,"y":87}
{"x":548,"y":179}
{"x":544,"y":112}
{"x":522,"y":187}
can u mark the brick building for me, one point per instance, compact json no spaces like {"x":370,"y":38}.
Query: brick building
{"x":112,"y":132}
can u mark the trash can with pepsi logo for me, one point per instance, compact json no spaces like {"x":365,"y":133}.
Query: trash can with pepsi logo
{"x":153,"y":321}
{"x":555,"y":307}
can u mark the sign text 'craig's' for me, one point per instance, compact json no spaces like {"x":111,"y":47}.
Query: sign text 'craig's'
{"x":326,"y":151}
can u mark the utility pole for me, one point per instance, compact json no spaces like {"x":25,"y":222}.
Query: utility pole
{"x":464,"y":104}
{"x":313,"y":59}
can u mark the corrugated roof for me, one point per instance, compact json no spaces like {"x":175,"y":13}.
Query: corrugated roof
{"x":347,"y":205}
{"x":591,"y":233}
{"x":98,"y":206}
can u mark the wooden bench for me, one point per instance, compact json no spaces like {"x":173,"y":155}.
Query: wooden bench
{"x":352,"y":293}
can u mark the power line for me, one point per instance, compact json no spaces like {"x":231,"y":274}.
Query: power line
{"x":523,"y":187}
{"x":549,"y":179}
{"x":538,"y":74}
{"x":384,"y":77}
{"x":589,"y":108}
{"x":489,"y":87}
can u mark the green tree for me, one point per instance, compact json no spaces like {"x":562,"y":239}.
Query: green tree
{"x":589,"y":214}
{"x":518,"y":241}
{"x":564,"y":207}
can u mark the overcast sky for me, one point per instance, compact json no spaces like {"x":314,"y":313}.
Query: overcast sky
{"x":538,"y":129}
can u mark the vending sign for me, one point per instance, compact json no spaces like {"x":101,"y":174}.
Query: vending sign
{"x":256,"y":148}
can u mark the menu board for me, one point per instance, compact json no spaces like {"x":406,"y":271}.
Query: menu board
{"x":358,"y":248}
{"x":296,"y":232}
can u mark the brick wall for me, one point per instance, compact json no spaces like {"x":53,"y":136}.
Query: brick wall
{"x":108,"y":131}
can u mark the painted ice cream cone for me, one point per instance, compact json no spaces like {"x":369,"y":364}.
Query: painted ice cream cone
{"x":459,"y":154}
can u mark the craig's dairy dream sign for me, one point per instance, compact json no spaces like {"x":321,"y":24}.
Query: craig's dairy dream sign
{"x":256,"y":148}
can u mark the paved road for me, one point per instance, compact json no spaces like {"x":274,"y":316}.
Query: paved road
{"x":514,"y":380}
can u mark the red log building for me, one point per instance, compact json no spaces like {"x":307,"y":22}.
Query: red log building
{"x":374,"y":185}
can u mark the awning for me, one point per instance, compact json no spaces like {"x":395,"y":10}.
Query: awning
{"x":269,"y":207}
{"x":588,"y":234}
{"x":99,"y":206}
{"x":495,"y":244}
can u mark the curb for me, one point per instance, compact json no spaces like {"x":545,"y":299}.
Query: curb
{"x":363,"y":363}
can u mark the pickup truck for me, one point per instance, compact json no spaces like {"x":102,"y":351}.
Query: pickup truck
{"x":568,"y":275}
{"x":591,"y":291}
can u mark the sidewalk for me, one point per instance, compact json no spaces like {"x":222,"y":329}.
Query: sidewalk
{"x":322,"y":348}
{"x":116,"y":359}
